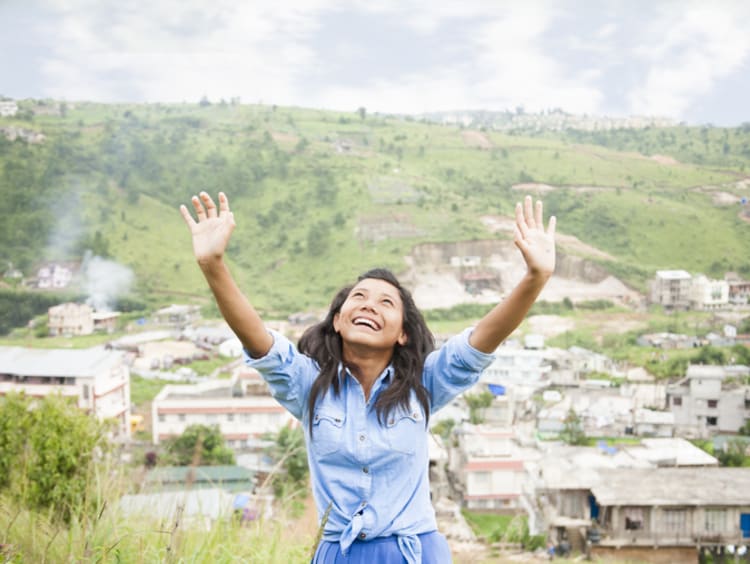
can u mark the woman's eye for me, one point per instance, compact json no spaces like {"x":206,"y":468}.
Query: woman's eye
{"x":388,"y":302}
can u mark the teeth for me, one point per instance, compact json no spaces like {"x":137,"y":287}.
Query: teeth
{"x":367,"y":322}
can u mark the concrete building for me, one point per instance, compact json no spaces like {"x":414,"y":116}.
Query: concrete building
{"x":671,"y":289}
{"x":177,"y":315}
{"x":96,"y":378}
{"x":706,"y":294}
{"x":486,"y":468}
{"x":241,"y":407}
{"x":710,"y":400}
{"x":8,"y":108}
{"x":671,"y":514}
{"x":70,"y":319}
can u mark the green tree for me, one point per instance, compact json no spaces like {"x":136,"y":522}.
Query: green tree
{"x":572,"y":432}
{"x":199,"y":445}
{"x":733,"y":453}
{"x":476,"y":403}
{"x":444,"y":428}
{"x":290,"y":478}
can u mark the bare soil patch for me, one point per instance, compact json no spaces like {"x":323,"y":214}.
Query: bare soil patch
{"x":476,"y":139}
{"x":664,"y":159}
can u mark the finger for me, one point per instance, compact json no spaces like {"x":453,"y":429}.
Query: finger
{"x":551,"y":226}
{"x":528,"y":211}
{"x":520,"y":222}
{"x":223,"y":203}
{"x":519,"y":240}
{"x":209,"y":204}
{"x":539,"y":214}
{"x":199,"y":211}
{"x":186,"y":216}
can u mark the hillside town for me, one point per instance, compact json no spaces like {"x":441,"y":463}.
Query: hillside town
{"x":601,"y":458}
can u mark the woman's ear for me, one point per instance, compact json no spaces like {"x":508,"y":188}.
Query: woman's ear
{"x":402,"y":338}
{"x":336,"y":322}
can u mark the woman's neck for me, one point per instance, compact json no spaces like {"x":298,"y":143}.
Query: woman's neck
{"x":366,"y":365}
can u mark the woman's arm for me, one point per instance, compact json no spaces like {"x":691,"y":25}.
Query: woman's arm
{"x":538,"y":250}
{"x":211,"y":235}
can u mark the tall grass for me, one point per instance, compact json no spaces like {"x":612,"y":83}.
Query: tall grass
{"x":107,"y":534}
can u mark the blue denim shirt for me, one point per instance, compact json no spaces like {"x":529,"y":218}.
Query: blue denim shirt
{"x":374,"y":476}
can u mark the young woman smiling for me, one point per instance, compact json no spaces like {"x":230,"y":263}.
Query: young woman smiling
{"x":364,"y":381}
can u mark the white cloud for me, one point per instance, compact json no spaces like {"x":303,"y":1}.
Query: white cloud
{"x":687,"y":51}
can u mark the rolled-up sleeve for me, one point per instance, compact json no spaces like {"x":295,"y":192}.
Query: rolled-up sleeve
{"x":453,"y":368}
{"x":289,"y":373}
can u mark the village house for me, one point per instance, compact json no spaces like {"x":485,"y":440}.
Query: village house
{"x":671,"y":514}
{"x":105,"y":320}
{"x":97,"y":379}
{"x":242,"y":408}
{"x":710,"y":400}
{"x":561,"y":482}
{"x":671,"y":289}
{"x":739,"y":289}
{"x":70,"y":319}
{"x":486,"y":467}
{"x":706,"y":294}
{"x":54,"y":276}
{"x":177,"y":315}
{"x":8,"y":108}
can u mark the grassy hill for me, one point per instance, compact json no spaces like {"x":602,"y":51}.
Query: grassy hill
{"x":320,"y":196}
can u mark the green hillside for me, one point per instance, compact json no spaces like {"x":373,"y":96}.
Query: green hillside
{"x":320,"y":196}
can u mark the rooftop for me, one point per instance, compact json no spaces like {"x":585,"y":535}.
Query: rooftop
{"x":674,"y":486}
{"x":57,"y":362}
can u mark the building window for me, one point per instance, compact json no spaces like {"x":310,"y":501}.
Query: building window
{"x":162,"y":418}
{"x":181,"y":417}
{"x":676,"y":401}
{"x":713,"y":403}
{"x":230,"y":416}
{"x":633,"y":518}
{"x":675,"y":520}
{"x":715,"y":520}
{"x":747,"y":404}
{"x":85,"y":391}
{"x":712,"y":421}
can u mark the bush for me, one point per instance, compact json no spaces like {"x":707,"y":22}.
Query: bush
{"x":47,"y":453}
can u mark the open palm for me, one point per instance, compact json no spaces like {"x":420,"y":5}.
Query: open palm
{"x":214,"y":227}
{"x":536,"y":245}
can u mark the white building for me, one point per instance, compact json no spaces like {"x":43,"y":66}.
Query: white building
{"x":671,"y":289}
{"x":706,"y":294}
{"x":98,"y":379}
{"x":70,"y":319}
{"x":709,"y":400}
{"x":487,"y":467}
{"x":8,"y":108}
{"x":241,"y":407}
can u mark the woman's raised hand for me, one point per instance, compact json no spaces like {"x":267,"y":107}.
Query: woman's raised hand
{"x":213,"y":229}
{"x":536,"y":245}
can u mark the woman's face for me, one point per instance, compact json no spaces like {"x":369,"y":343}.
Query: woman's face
{"x":372,"y":315}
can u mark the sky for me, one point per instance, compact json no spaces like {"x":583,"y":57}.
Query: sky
{"x":686,"y":60}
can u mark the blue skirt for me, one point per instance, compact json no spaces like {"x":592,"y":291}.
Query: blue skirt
{"x":384,"y":550}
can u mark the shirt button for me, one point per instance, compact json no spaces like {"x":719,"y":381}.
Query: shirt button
{"x":361,"y":437}
{"x":366,"y":470}
{"x":362,"y":536}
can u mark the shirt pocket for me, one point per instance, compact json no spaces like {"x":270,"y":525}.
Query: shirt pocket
{"x":405,"y":428}
{"x":327,"y":430}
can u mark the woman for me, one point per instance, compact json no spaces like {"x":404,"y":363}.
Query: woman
{"x":364,"y":382}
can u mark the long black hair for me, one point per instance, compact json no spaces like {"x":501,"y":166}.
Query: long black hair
{"x":322,"y":343}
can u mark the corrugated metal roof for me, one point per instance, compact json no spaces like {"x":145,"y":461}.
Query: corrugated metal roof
{"x":57,"y":362}
{"x":213,"y":474}
{"x":674,"y":487}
